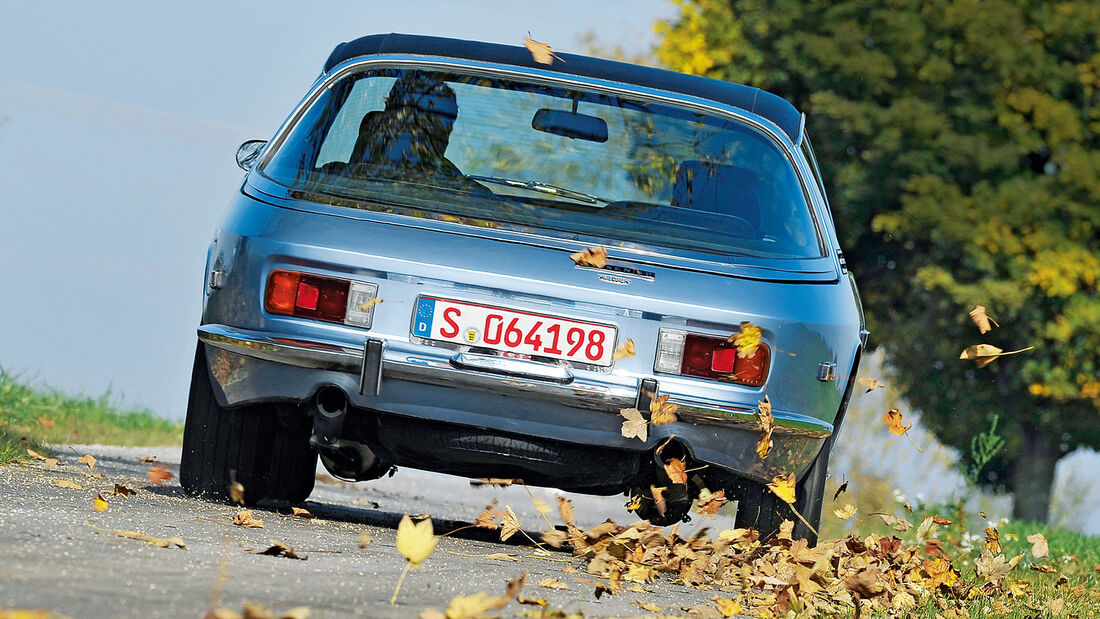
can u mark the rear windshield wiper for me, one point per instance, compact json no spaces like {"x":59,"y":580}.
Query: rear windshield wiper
{"x":541,"y":187}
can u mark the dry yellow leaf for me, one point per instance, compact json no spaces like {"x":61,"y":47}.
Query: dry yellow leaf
{"x":783,"y":487}
{"x":369,"y":303}
{"x":364,"y":538}
{"x":552,"y":583}
{"x":658,"y":494}
{"x":591,"y":257}
{"x":898,"y":524}
{"x":992,"y":540}
{"x":541,"y":52}
{"x":726,"y":606}
{"x":122,"y":490}
{"x":747,"y":340}
{"x":500,"y":482}
{"x":635,"y":425}
{"x":676,"y":470}
{"x":158,"y":474}
{"x":870,"y":383}
{"x":709,"y":502}
{"x":981,"y":319}
{"x":984,"y":354}
{"x":1039,"y":547}
{"x":244,"y":519}
{"x":415,"y":540}
{"x":236,"y":490}
{"x":64,"y":483}
{"x":509,"y":524}
{"x":766,"y":421}
{"x":624,"y":351}
{"x":159,"y":542}
{"x":49,"y":463}
{"x":487,"y":519}
{"x":893,"y":419}
{"x":651,"y":607}
{"x":34,"y":454}
{"x":662,"y":412}
{"x":88,"y":459}
{"x":565,"y":508}
{"x":99,"y":503}
{"x":846,"y":512}
{"x":299,"y":512}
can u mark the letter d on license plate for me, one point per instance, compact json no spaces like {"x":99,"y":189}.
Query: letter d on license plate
{"x":514,"y":331}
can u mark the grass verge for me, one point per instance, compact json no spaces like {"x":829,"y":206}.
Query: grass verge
{"x":30,"y":416}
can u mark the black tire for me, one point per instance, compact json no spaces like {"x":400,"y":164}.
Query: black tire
{"x":675,"y":511}
{"x":760,"y":508}
{"x":267,"y":452}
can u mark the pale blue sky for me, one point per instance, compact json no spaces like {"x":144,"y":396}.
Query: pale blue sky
{"x":116,"y":157}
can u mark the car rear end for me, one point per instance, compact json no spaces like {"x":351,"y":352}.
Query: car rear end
{"x":591,"y":259}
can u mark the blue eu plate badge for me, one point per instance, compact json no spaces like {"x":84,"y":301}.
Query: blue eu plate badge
{"x":422,"y":324}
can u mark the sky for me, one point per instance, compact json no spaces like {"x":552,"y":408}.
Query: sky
{"x":119,"y":122}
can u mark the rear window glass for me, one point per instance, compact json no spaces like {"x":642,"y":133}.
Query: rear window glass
{"x":558,"y":160}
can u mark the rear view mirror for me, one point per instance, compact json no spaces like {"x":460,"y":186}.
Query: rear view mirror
{"x":570,"y":125}
{"x":249,"y":152}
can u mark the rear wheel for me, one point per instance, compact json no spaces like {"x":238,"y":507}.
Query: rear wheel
{"x":760,"y":508}
{"x":266,"y":452}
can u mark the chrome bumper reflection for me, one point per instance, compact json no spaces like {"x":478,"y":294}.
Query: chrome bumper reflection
{"x":440,"y":366}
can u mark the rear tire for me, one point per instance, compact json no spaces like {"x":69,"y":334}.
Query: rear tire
{"x":760,"y":508}
{"x":266,"y":452}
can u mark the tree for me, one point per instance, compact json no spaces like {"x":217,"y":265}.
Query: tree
{"x":961,"y":143}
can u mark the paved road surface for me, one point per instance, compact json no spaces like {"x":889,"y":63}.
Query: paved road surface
{"x":52,"y":557}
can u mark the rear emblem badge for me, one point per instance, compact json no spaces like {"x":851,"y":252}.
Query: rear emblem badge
{"x":614,"y":279}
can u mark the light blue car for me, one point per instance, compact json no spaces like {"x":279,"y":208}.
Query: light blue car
{"x":455,"y":258}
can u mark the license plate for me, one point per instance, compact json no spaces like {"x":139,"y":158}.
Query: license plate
{"x":512,"y":331}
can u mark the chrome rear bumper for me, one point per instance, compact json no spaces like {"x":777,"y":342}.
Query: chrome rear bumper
{"x":439,"y":366}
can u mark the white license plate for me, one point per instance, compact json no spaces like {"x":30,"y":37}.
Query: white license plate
{"x":512,"y":331}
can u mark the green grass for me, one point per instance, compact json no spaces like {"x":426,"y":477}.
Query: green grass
{"x":30,"y":416}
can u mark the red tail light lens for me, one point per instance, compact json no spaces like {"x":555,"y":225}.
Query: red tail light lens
{"x":711,"y":357}
{"x":309,"y":296}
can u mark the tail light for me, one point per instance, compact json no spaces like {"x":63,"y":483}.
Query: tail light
{"x":691,"y":354}
{"x":319,"y":297}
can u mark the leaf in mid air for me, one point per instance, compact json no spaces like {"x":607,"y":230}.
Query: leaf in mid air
{"x":662,"y":412}
{"x":783,"y":487}
{"x":898,"y":524}
{"x":509,"y":524}
{"x":766,"y":421}
{"x":415,"y":540}
{"x":1039,"y":547}
{"x":847,"y":512}
{"x":624,"y":351}
{"x":369,"y":303}
{"x":870,"y":383}
{"x":676,"y":470}
{"x":658,"y":494}
{"x":894,"y":420}
{"x":541,"y":52}
{"x":842,"y":488}
{"x":747,"y":340}
{"x":591,"y":257}
{"x":709,"y":502}
{"x":992,"y":540}
{"x":635,"y":425}
{"x":984,"y":354}
{"x":158,"y":474}
{"x":981,"y":319}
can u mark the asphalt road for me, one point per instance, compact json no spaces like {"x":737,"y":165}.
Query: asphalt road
{"x":55,"y":553}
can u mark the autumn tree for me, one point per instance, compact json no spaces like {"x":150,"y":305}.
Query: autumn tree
{"x":959,"y":140}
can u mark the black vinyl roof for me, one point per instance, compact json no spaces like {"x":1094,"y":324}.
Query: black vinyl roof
{"x":764,"y":104}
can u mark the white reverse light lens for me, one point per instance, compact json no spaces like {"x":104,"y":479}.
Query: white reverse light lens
{"x":670,"y":351}
{"x":359,"y":294}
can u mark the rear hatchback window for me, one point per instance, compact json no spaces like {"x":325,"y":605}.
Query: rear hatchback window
{"x":562,"y":161}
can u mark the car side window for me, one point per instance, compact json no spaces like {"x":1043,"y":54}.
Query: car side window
{"x":366,"y":96}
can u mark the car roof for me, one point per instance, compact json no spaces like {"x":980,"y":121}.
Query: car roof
{"x":762,"y":103}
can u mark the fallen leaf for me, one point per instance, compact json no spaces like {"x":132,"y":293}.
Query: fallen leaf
{"x":709,"y":502}
{"x":552,"y":583}
{"x":939,"y":572}
{"x":364,"y":538}
{"x":64,"y":483}
{"x":299,"y":512}
{"x":122,"y":490}
{"x":726,"y":606}
{"x":926,"y":529}
{"x":591,"y":257}
{"x":981,"y":319}
{"x":653,"y":608}
{"x":635,"y":425}
{"x":49,"y":463}
{"x":541,"y":52}
{"x":148,"y":459}
{"x":864,"y":584}
{"x":34,"y":454}
{"x":158,"y":474}
{"x":415,"y":540}
{"x":1045,"y":569}
{"x":747,"y":340}
{"x":369,"y":303}
{"x":992,"y":568}
{"x":99,"y":503}
{"x":1039,"y":547}
{"x":279,"y":549}
{"x":783,"y":487}
{"x":843,"y":488}
{"x":565,"y":508}
{"x":662,"y":412}
{"x":870,"y":383}
{"x":676,"y":470}
{"x":487,"y":519}
{"x":499,"y":482}
{"x":509,"y":524}
{"x":88,"y":459}
{"x":532,"y":601}
{"x":847,"y":512}
{"x":992,"y":540}
{"x":984,"y":354}
{"x":244,"y":519}
{"x":159,"y":542}
{"x":894,"y":420}
{"x":623,"y":351}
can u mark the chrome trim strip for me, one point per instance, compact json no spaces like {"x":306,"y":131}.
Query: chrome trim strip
{"x":522,"y":368}
{"x":404,"y":361}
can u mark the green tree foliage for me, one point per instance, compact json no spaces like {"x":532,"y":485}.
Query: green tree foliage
{"x":960,"y":142}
